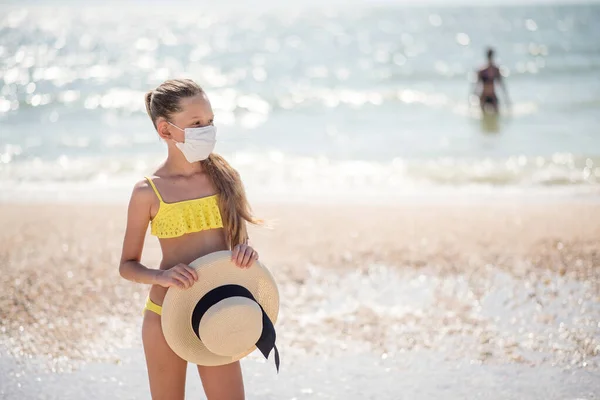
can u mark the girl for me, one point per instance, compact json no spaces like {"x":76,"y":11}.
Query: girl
{"x":196,"y":204}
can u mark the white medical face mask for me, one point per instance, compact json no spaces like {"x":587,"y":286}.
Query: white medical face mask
{"x":198,"y":142}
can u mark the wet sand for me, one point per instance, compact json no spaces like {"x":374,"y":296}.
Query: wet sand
{"x":477,"y":285}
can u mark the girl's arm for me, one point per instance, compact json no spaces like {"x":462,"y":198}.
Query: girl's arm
{"x":130,"y":268}
{"x":138,"y":218}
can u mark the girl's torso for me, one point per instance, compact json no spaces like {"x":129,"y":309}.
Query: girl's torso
{"x":187,"y":221}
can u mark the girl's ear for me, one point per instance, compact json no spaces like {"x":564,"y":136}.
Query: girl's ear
{"x":162,"y":127}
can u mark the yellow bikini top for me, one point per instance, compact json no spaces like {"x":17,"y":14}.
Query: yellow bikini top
{"x":188,"y":216}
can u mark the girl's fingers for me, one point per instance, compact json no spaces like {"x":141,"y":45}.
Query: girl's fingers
{"x":235,"y":252}
{"x":247,"y":257}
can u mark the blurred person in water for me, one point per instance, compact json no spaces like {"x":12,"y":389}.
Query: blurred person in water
{"x":485,"y":86}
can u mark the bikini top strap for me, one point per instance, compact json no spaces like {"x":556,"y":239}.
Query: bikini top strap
{"x":154,"y":188}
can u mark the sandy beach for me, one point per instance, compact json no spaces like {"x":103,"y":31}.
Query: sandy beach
{"x":494,"y":285}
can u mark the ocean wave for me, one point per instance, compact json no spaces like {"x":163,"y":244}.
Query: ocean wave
{"x":276,"y":169}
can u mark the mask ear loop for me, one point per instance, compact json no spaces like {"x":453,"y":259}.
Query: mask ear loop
{"x":182,"y":130}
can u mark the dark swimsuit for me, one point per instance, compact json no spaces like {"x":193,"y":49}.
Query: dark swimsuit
{"x":493,"y":100}
{"x":488,"y":99}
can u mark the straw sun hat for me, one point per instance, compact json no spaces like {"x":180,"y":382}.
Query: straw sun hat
{"x":227,"y":314}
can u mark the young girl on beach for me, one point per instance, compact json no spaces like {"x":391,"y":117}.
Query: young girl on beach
{"x":196,"y":204}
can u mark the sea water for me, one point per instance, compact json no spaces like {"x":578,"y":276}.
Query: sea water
{"x":341,"y":98}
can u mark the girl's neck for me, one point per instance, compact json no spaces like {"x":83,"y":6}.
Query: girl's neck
{"x":176,"y":164}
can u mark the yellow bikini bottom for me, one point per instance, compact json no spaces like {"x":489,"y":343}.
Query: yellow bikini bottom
{"x":152,"y":306}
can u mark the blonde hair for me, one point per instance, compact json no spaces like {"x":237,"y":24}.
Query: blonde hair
{"x":164,"y":101}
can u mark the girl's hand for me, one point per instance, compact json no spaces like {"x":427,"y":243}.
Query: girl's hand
{"x":243,"y":255}
{"x":181,"y":275}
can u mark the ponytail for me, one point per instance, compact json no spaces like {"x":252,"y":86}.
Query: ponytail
{"x":234,"y":206}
